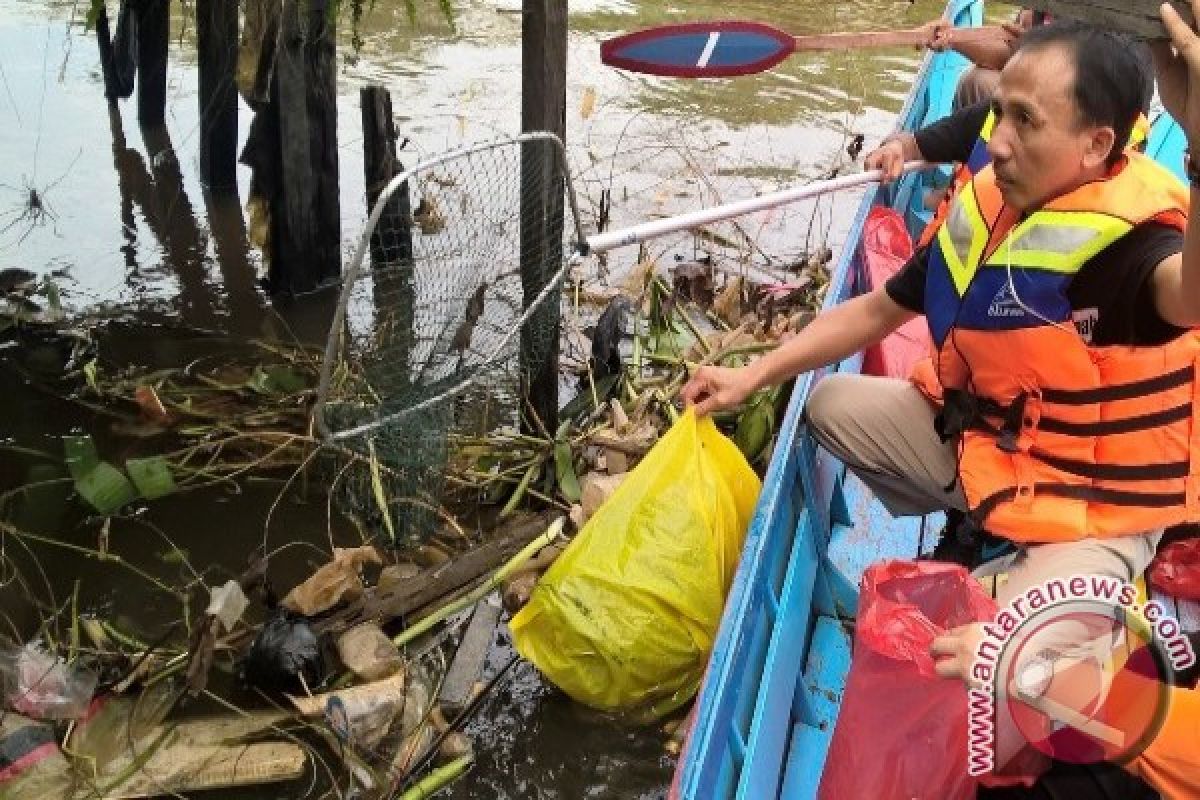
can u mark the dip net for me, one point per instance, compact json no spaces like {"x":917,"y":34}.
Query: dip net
{"x":449,"y":306}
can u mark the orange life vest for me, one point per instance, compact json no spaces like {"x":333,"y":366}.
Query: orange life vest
{"x":1059,"y":440}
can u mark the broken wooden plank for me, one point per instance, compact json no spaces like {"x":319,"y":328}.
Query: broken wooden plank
{"x":436,"y":583}
{"x":195,"y":768}
{"x":458,"y":687}
{"x":1139,"y":17}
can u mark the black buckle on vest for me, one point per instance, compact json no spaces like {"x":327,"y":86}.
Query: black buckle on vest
{"x":960,"y":412}
{"x":1010,"y":431}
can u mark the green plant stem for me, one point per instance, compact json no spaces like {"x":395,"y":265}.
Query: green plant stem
{"x":116,"y":559}
{"x":681,"y":312}
{"x":28,"y":451}
{"x":685,"y":318}
{"x":438,"y":779}
{"x":74,"y":646}
{"x":515,"y":500}
{"x":498,"y":577}
{"x":122,"y":638}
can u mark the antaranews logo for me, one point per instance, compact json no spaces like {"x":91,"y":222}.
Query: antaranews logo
{"x":1076,"y":668}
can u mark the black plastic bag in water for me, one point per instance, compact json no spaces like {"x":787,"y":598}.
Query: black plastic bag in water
{"x":285,"y":657}
{"x":606,"y":341}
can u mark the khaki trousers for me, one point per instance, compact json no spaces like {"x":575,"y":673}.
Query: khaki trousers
{"x":882,"y":429}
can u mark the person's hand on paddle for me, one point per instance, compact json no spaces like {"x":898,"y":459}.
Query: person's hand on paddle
{"x":938,"y":32}
{"x":892,"y":154}
{"x":1177,"y":67}
{"x":713,"y":389}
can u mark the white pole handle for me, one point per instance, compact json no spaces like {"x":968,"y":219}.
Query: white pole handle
{"x":604,"y":242}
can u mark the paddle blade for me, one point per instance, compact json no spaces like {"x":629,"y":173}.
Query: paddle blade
{"x":699,"y":49}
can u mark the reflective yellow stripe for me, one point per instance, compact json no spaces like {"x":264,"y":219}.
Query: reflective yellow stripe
{"x":1059,"y":241}
{"x":1140,"y":132}
{"x":963,"y":238}
{"x":989,"y":125}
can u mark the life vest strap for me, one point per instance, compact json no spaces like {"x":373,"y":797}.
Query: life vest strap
{"x":1116,"y":426}
{"x":1115,"y":472}
{"x":1010,"y":430}
{"x":962,"y":411}
{"x":1091,"y":494}
{"x":1120,"y":391}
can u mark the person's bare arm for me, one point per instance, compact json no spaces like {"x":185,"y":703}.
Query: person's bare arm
{"x":1176,"y":280}
{"x":832,"y":336}
{"x":990,"y":53}
{"x":986,"y":53}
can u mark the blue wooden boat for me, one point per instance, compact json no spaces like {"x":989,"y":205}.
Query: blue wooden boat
{"x":767,"y":710}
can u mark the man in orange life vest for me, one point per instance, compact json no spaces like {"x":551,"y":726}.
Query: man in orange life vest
{"x":1057,"y":410}
{"x":1061,"y":409}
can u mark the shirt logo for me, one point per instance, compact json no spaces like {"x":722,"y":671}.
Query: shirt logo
{"x":1086,"y":320}
{"x":1004,"y":304}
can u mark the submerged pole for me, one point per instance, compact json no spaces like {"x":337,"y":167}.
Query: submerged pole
{"x":543,"y":108}
{"x":306,"y":215}
{"x":108,"y":65}
{"x":153,"y":32}
{"x":217,"y":43}
{"x":392,"y":238}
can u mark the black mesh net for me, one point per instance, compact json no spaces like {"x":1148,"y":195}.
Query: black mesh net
{"x":450,"y":305}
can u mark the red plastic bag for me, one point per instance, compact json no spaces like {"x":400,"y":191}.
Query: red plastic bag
{"x":902,"y":730}
{"x":886,"y":247}
{"x":1176,"y":569}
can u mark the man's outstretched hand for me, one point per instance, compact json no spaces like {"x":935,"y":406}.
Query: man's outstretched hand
{"x":891,"y":155}
{"x":714,"y":389}
{"x":1177,"y":67}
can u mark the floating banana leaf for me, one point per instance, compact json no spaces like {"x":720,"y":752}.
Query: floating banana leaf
{"x":81,"y":455}
{"x":106,"y":488}
{"x":151,"y":476}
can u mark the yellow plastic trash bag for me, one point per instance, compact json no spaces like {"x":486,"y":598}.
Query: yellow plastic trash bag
{"x":625,"y":618}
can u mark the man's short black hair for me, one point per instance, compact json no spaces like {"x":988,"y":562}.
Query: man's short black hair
{"x":1114,"y":80}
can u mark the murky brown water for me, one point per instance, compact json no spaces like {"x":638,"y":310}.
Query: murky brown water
{"x":137,"y":241}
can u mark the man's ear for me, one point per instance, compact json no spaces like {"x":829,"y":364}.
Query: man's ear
{"x":1101,"y":141}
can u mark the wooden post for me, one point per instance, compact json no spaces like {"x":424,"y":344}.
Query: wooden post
{"x":153,"y":32}
{"x":392,"y":239}
{"x":117,"y":52}
{"x":217,"y":43}
{"x":391,"y":242}
{"x":543,"y":108}
{"x":306,"y":215}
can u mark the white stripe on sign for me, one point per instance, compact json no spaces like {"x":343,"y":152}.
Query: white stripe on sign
{"x":708,"y":49}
